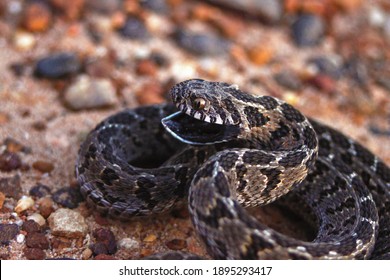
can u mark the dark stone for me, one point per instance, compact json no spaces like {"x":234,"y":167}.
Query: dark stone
{"x":8,"y":232}
{"x":68,"y":197}
{"x":9,"y":161}
{"x":326,"y":66}
{"x":34,"y":254}
{"x":134,"y":29}
{"x":58,"y":66}
{"x":158,"y":6}
{"x":31,"y":226}
{"x":98,"y":248}
{"x":201,"y":44}
{"x":10,"y":186}
{"x":289,"y":80}
{"x":37,"y":240}
{"x":176,"y":244}
{"x":106,"y":237}
{"x":40,"y":190}
{"x":308,"y":30}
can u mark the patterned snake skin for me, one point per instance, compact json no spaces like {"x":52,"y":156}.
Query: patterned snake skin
{"x":226,"y":150}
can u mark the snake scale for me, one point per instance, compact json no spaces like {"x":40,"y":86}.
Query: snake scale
{"x":224,"y":150}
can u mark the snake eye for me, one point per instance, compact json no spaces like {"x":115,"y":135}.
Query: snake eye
{"x":198,"y":104}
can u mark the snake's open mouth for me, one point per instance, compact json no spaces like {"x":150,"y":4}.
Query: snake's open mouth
{"x":195,"y":132}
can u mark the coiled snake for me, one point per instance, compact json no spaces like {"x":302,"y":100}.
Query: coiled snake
{"x":225,"y":150}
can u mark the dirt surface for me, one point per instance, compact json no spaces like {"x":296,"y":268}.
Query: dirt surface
{"x":40,"y":130}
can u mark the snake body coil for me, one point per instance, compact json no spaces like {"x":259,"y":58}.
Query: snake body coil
{"x":225,"y":150}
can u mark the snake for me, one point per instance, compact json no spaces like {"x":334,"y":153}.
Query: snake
{"x":226,"y":151}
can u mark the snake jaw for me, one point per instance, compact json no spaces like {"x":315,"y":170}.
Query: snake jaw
{"x":193,"y":131}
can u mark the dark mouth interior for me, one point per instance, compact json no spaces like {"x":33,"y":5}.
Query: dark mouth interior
{"x":193,"y":131}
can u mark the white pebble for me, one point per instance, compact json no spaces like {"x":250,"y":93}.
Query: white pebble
{"x":38,"y":218}
{"x":20,"y":238}
{"x":24,"y":203}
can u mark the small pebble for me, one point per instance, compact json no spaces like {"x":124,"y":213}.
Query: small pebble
{"x":40,"y":190}
{"x":106,"y":237}
{"x":325,"y":66}
{"x":26,"y":202}
{"x":176,"y":244}
{"x":15,"y":146}
{"x":39,"y":219}
{"x":201,"y":44}
{"x":9,"y":161}
{"x":98,"y":248}
{"x":37,"y":16}
{"x":34,"y":254}
{"x":260,"y":55}
{"x":88,"y":93}
{"x":67,"y":223}
{"x":104,"y":6}
{"x":24,"y":41}
{"x":268,"y":10}
{"x":10,"y":187}
{"x":46,"y":206}
{"x":288,"y":79}
{"x":134,"y":29}
{"x":146,"y":67}
{"x":31,"y":226}
{"x":150,"y":238}
{"x":86,"y":254}
{"x":68,"y":197}
{"x":58,"y":66}
{"x":308,"y":30}
{"x":8,"y":232}
{"x":2,"y":199}
{"x":158,"y":6}
{"x":128,"y":243}
{"x":150,"y":93}
{"x":71,"y":9}
{"x":37,"y":240}
{"x":43,"y":166}
{"x":20,"y":238}
{"x":61,"y":243}
{"x":324,"y":83}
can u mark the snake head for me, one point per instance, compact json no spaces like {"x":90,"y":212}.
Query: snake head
{"x":203,"y":117}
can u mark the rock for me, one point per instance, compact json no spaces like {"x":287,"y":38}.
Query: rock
{"x":98,"y":248}
{"x":150,"y":238}
{"x":260,"y":55}
{"x":158,"y":6}
{"x":324,"y":83}
{"x":43,"y":166}
{"x":8,"y":232}
{"x":67,"y":223}
{"x":104,"y":6}
{"x":37,"y":16}
{"x":57,"y":66}
{"x":14,"y":146}
{"x":37,"y":240}
{"x":268,"y":10}
{"x":20,"y":238}
{"x":9,"y":161}
{"x":176,"y":244}
{"x":68,"y":197}
{"x":134,"y":29}
{"x":87,"y":254}
{"x":325,"y":66}
{"x":46,"y":206}
{"x":24,"y":203}
{"x":39,"y":125}
{"x":24,"y":41}
{"x":10,"y":186}
{"x":88,"y":93}
{"x":128,"y":243}
{"x":61,"y":243}
{"x":308,"y":30}
{"x":288,"y":79}
{"x":71,"y":9}
{"x":2,"y":199}
{"x":201,"y":44}
{"x":34,"y":254}
{"x":107,"y":238}
{"x":31,"y":226}
{"x":39,"y":219}
{"x":146,"y":67}
{"x":40,"y":190}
